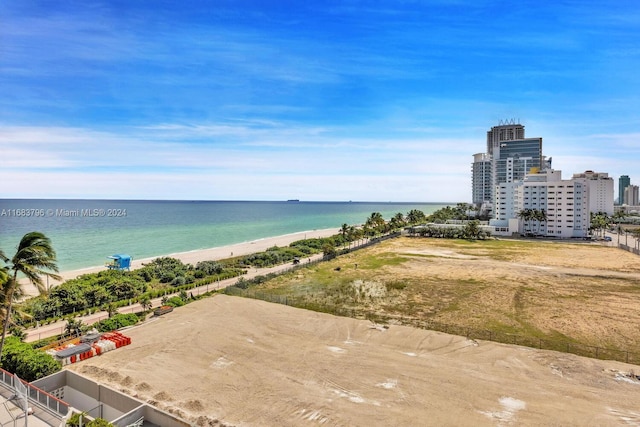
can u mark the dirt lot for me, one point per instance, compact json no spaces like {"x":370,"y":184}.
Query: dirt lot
{"x":250,"y":363}
{"x":585,"y":293}
{"x":235,"y":361}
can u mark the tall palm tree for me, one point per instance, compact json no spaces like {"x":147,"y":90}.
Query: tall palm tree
{"x":619,"y":216}
{"x":397,"y":221}
{"x":525,"y":215}
{"x":34,"y":256}
{"x":599,"y":222}
{"x":375,"y":223}
{"x":344,"y":230}
{"x":415,"y":216}
{"x":540,"y":216}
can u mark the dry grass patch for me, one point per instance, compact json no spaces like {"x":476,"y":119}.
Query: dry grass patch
{"x":582,"y":292}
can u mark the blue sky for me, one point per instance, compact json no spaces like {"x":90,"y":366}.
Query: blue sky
{"x":325,"y":100}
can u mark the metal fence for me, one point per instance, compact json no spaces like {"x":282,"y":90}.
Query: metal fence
{"x":37,"y":396}
{"x":629,"y":249}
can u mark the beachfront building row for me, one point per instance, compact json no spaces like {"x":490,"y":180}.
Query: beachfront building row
{"x":628,"y":196}
{"x":513,"y":179}
{"x":557,"y":207}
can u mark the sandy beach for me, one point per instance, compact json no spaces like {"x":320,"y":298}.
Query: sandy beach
{"x":193,"y":257}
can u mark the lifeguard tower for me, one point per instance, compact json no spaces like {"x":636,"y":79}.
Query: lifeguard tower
{"x":119,"y":262}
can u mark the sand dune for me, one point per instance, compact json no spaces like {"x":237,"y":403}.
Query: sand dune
{"x":244,"y":362}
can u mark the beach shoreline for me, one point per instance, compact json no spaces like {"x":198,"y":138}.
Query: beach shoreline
{"x":197,"y":255}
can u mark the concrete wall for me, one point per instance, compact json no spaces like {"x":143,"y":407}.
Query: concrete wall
{"x":152,"y":417}
{"x":98,"y":400}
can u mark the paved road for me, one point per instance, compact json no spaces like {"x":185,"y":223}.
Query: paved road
{"x":58,"y":327}
{"x":623,"y":239}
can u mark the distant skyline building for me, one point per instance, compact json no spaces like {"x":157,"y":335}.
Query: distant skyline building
{"x":631,"y":195}
{"x":509,"y":157}
{"x":481,"y":171}
{"x":513,"y":159}
{"x":600,"y":186}
{"x":508,"y":130}
{"x":623,"y":182}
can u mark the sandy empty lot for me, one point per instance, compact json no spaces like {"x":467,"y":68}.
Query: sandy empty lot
{"x":551,"y":290}
{"x":250,"y":363}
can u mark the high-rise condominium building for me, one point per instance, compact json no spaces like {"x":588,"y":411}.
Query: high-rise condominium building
{"x":509,"y":157}
{"x":481,"y":178}
{"x":631,"y":194}
{"x":600,"y":187}
{"x":564,"y":205}
{"x":623,"y":182}
{"x":512,"y":160}
{"x":505,"y":131}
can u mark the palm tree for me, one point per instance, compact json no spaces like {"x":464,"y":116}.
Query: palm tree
{"x":540,"y":216}
{"x":376,"y":222}
{"x":344,"y":230}
{"x":619,"y":216}
{"x":34,"y":257}
{"x":525,"y":215}
{"x":397,"y":221}
{"x":599,"y":222}
{"x":110,"y":308}
{"x":74,"y":327}
{"x":415,"y":216}
{"x":4,"y":272}
{"x":463,"y":210}
{"x":472,"y":230}
{"x":145,"y":302}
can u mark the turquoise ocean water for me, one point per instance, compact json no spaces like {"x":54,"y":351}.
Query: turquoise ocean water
{"x":85,"y":232}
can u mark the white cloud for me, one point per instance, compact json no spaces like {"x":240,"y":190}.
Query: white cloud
{"x":210,"y":185}
{"x":73,"y":162}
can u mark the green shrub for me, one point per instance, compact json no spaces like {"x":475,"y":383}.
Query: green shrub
{"x":74,"y":421}
{"x":209,"y":268}
{"x":116,"y":322}
{"x":175,"y":302}
{"x":167,"y":277}
{"x":26,"y":362}
{"x":99,"y":422}
{"x":178,"y":281}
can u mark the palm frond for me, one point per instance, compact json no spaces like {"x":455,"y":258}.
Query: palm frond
{"x":35,"y":258}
